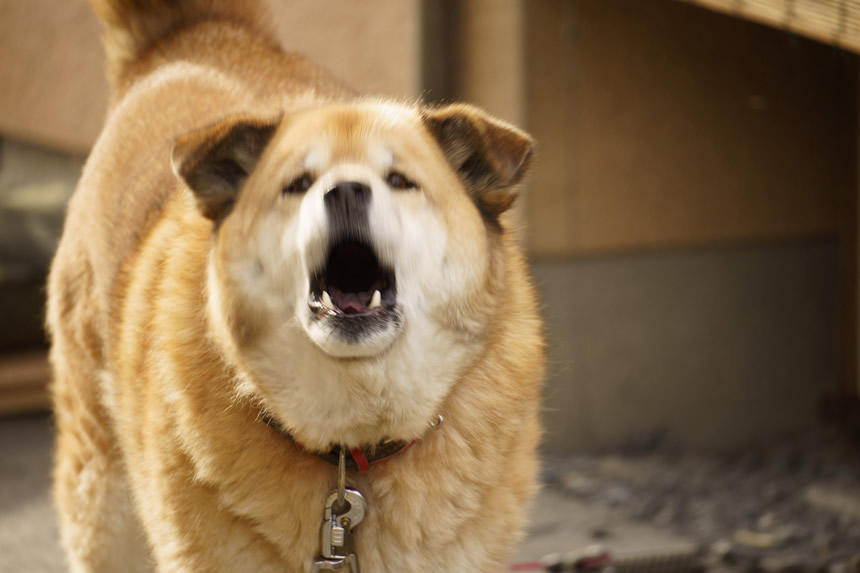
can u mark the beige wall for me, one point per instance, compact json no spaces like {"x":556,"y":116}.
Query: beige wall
{"x":492,"y":56}
{"x":490,"y":71}
{"x":662,"y":124}
{"x":53,"y":90}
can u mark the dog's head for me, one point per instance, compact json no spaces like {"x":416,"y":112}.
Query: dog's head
{"x":356,"y":260}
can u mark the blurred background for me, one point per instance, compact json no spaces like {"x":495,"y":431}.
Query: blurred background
{"x":691,"y":219}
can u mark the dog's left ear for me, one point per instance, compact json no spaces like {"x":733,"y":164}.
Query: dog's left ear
{"x":216,"y":160}
{"x":490,"y":155}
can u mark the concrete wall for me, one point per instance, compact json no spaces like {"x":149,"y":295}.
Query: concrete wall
{"x":708,"y":348}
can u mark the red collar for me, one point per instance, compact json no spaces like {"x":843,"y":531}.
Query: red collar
{"x":359,"y":459}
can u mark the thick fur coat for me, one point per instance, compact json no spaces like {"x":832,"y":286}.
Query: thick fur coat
{"x":213,"y":272}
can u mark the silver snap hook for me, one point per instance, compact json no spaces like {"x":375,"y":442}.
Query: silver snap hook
{"x":436,"y":421}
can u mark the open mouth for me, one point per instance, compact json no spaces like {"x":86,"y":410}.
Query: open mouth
{"x":352,"y":283}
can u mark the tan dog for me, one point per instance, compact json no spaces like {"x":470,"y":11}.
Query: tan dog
{"x":250,"y":243}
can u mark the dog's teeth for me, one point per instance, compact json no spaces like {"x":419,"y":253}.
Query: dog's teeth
{"x":375,"y":300}
{"x":326,"y":299}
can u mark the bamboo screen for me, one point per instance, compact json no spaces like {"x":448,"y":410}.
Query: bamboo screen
{"x":834,"y":22}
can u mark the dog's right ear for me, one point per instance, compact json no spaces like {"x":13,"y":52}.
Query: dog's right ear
{"x":216,"y":160}
{"x":489,"y":155}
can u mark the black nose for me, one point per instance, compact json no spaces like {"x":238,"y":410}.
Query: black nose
{"x":347,"y":201}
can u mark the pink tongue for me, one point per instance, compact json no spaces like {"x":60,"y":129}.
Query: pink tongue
{"x":349,"y":302}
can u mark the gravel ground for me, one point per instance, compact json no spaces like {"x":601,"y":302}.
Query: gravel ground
{"x":788,"y":505}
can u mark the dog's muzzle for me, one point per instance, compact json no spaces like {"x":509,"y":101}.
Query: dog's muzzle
{"x":352,"y":287}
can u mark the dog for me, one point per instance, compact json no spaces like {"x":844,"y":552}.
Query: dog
{"x":268,"y":285}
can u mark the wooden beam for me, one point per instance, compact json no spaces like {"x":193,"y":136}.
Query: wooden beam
{"x":834,"y":22}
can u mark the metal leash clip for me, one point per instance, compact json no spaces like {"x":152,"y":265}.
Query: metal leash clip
{"x":344,"y":509}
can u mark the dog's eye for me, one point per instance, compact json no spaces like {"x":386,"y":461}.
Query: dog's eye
{"x":300,"y":184}
{"x":397,"y":180}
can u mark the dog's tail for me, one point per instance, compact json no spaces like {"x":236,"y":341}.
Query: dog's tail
{"x":131,"y":27}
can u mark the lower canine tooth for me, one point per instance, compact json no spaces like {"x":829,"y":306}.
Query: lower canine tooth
{"x":376,"y":300}
{"x":326,"y":299}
